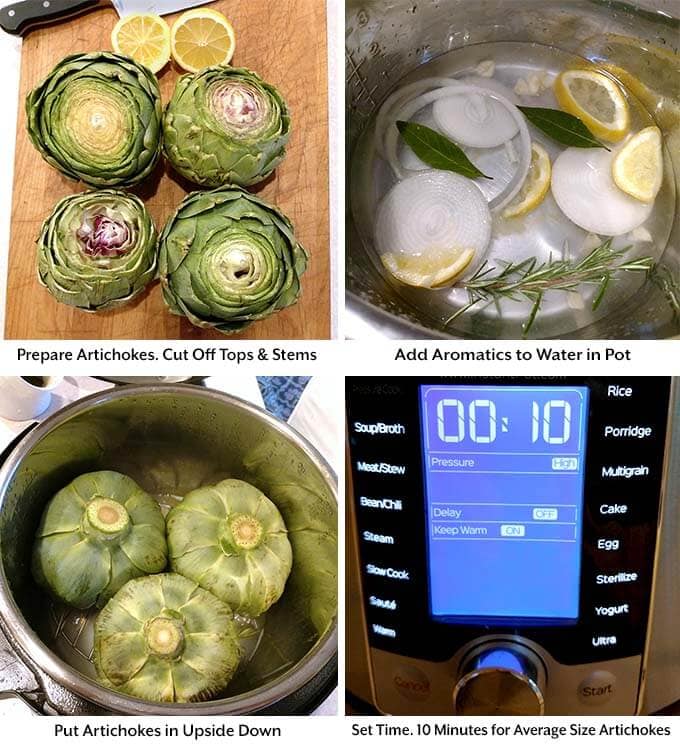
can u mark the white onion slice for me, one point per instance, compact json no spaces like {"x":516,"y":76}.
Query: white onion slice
{"x":584,"y":190}
{"x":408,"y":110}
{"x":477,"y":119}
{"x":405,"y":111}
{"x":492,"y":85}
{"x":433,"y":211}
{"x":399,"y":98}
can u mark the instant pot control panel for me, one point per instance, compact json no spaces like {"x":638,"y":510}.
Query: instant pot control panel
{"x":507,"y":536}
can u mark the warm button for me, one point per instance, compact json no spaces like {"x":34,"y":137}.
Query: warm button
{"x":598,"y":688}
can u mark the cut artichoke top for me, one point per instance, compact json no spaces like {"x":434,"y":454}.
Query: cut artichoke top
{"x":164,"y":638}
{"x":225,"y":125}
{"x":97,"y":249}
{"x":96,"y":534}
{"x":228,"y":258}
{"x":231,"y":540}
{"x":97,"y":118}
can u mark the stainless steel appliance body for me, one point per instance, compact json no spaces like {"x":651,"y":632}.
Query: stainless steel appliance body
{"x":171,"y":439}
{"x":387,"y":40}
{"x":413,"y":647}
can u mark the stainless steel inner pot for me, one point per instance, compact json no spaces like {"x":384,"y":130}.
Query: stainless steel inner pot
{"x":170,"y":439}
{"x":388,"y":39}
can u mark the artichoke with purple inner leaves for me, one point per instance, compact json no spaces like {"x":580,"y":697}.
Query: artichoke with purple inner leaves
{"x":97,"y":250}
{"x":225,"y":125}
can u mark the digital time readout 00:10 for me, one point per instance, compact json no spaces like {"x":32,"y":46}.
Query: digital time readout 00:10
{"x":533,"y":417}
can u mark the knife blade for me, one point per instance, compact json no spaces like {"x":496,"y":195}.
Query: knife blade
{"x":20,"y":18}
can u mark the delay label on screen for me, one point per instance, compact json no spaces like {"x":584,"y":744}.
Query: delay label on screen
{"x":504,"y":474}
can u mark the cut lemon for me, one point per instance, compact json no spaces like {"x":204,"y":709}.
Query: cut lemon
{"x":536,"y":184}
{"x":638,"y":168}
{"x":202,"y":37}
{"x":144,"y":37}
{"x":434,"y":269}
{"x":596,"y":100}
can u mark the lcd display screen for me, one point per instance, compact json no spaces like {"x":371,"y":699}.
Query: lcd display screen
{"x":504,"y":470}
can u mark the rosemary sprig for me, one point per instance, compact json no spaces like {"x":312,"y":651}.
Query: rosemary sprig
{"x":531,"y":279}
{"x":663,"y":278}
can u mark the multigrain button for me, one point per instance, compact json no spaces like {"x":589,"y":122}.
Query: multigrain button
{"x":597,"y":689}
{"x":411,"y":682}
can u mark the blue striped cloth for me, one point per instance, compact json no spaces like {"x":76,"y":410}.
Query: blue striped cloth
{"x":281,"y":393}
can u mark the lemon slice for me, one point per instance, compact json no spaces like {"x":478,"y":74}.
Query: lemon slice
{"x":638,"y":168}
{"x":144,"y":37}
{"x":596,"y":100}
{"x":202,"y":37}
{"x":434,"y":269}
{"x":536,"y":184}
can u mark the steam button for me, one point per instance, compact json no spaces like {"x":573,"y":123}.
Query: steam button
{"x":598,"y":688}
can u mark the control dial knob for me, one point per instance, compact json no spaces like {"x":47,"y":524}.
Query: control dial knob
{"x":500,"y":678}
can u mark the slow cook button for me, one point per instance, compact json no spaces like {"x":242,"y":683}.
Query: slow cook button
{"x":387,"y":572}
{"x":411,"y":682}
{"x":598,"y":688}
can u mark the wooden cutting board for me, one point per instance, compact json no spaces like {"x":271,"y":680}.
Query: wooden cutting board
{"x":285,"y":42}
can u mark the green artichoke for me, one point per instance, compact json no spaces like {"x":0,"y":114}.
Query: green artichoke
{"x":97,"y":250}
{"x":97,"y":118}
{"x":225,"y":125}
{"x":227,"y":258}
{"x":231,"y":540}
{"x":96,"y":534}
{"x":163,"y":638}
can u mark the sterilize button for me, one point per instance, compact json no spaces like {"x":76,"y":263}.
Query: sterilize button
{"x":598,"y":688}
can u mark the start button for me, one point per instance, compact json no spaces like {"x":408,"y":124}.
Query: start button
{"x":598,"y":688}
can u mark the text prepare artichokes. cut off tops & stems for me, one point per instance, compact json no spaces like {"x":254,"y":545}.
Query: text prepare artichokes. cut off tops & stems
{"x":228,"y":258}
{"x":231,"y":539}
{"x":97,"y":250}
{"x":225,"y":125}
{"x":163,"y":638}
{"x":96,"y":117}
{"x":96,"y":534}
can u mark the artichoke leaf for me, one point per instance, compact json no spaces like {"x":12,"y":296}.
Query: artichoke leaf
{"x":87,"y":565}
{"x":180,"y":646}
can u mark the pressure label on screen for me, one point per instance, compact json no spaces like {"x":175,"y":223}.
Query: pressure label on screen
{"x":504,"y":470}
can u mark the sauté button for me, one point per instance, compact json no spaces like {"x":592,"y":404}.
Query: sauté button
{"x":598,"y":688}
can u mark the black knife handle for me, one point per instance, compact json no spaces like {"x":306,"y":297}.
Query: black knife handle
{"x":19,"y":17}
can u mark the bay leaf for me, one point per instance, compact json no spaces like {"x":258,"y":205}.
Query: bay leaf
{"x":437,"y":150}
{"x":563,"y":127}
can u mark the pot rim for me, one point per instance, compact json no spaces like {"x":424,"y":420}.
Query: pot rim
{"x":39,"y":654}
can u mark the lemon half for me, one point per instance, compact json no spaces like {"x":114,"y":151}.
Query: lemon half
{"x":638,"y":167}
{"x":596,"y":100}
{"x":432,"y":269}
{"x":144,"y":37}
{"x":202,"y":37}
{"x":536,"y":184}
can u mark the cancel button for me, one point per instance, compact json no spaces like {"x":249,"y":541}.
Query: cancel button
{"x":598,"y":688}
